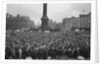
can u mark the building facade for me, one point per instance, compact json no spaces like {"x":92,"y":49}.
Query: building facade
{"x":75,"y":23}
{"x":71,"y":23}
{"x":81,"y":22}
{"x":67,"y":24}
{"x":85,"y":21}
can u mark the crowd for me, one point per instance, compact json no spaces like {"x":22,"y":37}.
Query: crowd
{"x":53,"y":45}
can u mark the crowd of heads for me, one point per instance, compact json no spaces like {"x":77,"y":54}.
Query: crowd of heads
{"x":53,"y":45}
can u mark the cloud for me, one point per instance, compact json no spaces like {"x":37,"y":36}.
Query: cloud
{"x":81,"y":6}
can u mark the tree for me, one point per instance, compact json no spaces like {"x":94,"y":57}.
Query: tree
{"x":18,"y":22}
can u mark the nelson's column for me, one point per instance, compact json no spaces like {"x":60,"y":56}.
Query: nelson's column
{"x":44,"y":24}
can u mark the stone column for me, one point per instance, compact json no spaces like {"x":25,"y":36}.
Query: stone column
{"x":44,"y":24}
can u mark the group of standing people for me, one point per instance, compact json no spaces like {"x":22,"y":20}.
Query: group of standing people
{"x":46,"y":46}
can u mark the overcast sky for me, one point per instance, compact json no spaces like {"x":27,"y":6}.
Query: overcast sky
{"x":55,"y":11}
